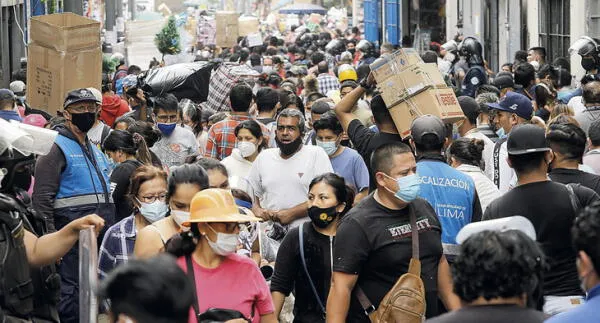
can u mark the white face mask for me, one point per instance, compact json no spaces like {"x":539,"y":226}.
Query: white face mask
{"x":267,"y":69}
{"x":226,"y":243}
{"x":246,"y":148}
{"x":179,"y":217}
{"x":449,"y":57}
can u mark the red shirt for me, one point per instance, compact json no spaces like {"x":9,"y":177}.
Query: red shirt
{"x":236,"y":284}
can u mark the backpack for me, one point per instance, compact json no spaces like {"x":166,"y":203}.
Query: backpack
{"x":405,"y":302}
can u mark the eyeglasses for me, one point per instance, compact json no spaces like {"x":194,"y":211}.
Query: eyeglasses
{"x":83,"y":108}
{"x":167,"y":118}
{"x":152,"y":198}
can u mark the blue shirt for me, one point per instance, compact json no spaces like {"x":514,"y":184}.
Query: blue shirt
{"x":350,"y":165}
{"x":452,"y":195}
{"x":588,"y":312}
{"x":10,"y":115}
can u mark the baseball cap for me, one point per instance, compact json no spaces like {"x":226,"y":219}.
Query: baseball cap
{"x":97,"y":94}
{"x":6,"y":94}
{"x":17,"y":86}
{"x":469,"y":106}
{"x":526,"y":139}
{"x":35,"y":120}
{"x":503,"y":81}
{"x":79,"y":95}
{"x":514,"y":103}
{"x":428,"y":125}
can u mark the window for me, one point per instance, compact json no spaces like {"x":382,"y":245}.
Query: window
{"x":554,"y":28}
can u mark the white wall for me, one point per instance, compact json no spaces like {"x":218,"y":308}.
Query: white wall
{"x":579,"y":18}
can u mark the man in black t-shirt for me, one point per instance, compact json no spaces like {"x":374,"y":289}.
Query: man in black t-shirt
{"x":551,"y":207}
{"x":373,"y":243}
{"x":366,"y":141}
{"x":568,"y":144}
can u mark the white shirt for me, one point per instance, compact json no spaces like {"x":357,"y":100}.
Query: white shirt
{"x":95,"y":134}
{"x":283,"y":183}
{"x":507,"y":174}
{"x":488,"y":150}
{"x":238,"y":169}
{"x":173,"y":150}
{"x":486,"y":189}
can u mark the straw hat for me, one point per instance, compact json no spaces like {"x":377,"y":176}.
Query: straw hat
{"x":216,"y":205}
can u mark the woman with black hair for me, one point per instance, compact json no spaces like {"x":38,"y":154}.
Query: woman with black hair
{"x":305,"y":258}
{"x":128,"y":152}
{"x":465,"y":155}
{"x":183,"y":183}
{"x":250,"y":142}
{"x":192,"y":117}
{"x":151,"y":136}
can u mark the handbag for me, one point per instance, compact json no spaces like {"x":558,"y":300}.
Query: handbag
{"x":405,"y":302}
{"x":212,"y":315}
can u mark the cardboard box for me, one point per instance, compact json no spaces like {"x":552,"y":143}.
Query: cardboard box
{"x":51,"y":74}
{"x":248,"y":25}
{"x":440,"y":102}
{"x":65,"y":31}
{"x":385,"y":67}
{"x":227,"y":28}
{"x":410,"y":80}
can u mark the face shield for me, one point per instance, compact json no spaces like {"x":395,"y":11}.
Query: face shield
{"x":584,"y":46}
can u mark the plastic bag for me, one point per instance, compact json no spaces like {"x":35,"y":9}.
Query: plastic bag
{"x":186,"y":80}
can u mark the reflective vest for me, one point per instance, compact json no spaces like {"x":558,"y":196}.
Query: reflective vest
{"x":451,"y":193}
{"x":84,"y":189}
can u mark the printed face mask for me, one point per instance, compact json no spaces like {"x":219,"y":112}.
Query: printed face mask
{"x":322,"y":218}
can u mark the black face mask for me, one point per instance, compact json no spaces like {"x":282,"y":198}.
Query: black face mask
{"x":83,"y":121}
{"x":588,"y":63}
{"x":345,"y":143}
{"x":321,"y":218}
{"x":352,"y":50}
{"x":291,"y":148}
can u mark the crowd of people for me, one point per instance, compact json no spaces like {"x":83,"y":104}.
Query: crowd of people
{"x":302,"y":202}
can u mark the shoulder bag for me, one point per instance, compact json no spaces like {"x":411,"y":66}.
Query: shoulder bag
{"x":405,"y":302}
{"x":212,"y":315}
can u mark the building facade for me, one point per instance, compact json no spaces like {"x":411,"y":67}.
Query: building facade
{"x":12,"y":37}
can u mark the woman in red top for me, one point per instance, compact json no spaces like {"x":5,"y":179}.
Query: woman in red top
{"x":224,"y":280}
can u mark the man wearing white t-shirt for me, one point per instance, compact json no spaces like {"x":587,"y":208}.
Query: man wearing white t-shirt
{"x":280,"y":176}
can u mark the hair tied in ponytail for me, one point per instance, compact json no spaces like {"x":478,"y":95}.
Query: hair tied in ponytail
{"x":137,"y":138}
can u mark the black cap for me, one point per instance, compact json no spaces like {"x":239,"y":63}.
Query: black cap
{"x":428,"y":125}
{"x":321,"y":107}
{"x":469,"y":107}
{"x":526,"y":139}
{"x":504,"y":80}
{"x":6,"y":94}
{"x":79,"y":95}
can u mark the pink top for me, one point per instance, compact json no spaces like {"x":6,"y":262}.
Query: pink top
{"x":236,"y":284}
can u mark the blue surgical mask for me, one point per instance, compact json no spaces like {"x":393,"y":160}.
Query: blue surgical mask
{"x":153,"y":211}
{"x":408,"y":187}
{"x":500,"y":133}
{"x":166,"y":128}
{"x":330,"y":147}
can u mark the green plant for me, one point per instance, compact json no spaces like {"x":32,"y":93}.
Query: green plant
{"x":167,"y":40}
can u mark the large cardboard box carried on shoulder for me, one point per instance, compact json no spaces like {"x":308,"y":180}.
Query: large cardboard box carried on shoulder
{"x":65,"y":31}
{"x":421,"y":75}
{"x":440,"y":102}
{"x":227,"y":28}
{"x":387,"y":66}
{"x":51,"y":74}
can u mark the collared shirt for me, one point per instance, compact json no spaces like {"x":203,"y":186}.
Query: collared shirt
{"x":327,"y":83}
{"x":117,"y":246}
{"x":585,"y":313}
{"x":222,"y":139}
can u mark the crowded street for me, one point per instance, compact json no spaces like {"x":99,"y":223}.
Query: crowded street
{"x":260,"y":161}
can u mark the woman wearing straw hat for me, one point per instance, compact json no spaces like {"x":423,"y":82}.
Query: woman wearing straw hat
{"x":223,"y":279}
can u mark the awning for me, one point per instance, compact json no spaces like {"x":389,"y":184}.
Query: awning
{"x":303,"y":9}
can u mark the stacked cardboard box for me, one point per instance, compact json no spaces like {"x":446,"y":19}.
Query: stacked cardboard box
{"x":411,"y":88}
{"x":227,"y":28}
{"x":64,"y":54}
